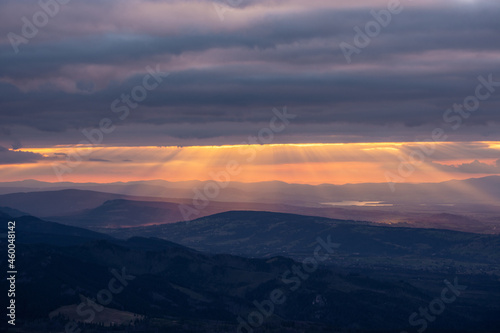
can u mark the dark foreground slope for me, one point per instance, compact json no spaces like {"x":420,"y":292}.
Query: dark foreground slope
{"x":152,"y":283}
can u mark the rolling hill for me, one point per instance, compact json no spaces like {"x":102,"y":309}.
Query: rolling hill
{"x":266,"y":234}
{"x":179,"y":289}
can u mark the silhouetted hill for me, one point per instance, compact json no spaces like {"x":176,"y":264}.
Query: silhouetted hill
{"x":30,"y":230}
{"x":415,"y":205}
{"x":175,"y":288}
{"x":167,"y":283}
{"x":124,"y":213}
{"x":12,"y":212}
{"x":264,"y":234}
{"x":61,"y":202}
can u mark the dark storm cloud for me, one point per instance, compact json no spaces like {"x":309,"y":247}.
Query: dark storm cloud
{"x":426,"y":60}
{"x":225,"y":95}
{"x":417,"y":31}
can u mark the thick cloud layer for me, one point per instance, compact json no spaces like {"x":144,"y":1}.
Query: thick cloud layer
{"x":231,"y":62}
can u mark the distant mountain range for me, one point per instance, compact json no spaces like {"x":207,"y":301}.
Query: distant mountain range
{"x":477,"y":191}
{"x":99,"y":210}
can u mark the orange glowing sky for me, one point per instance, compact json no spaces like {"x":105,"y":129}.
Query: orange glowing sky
{"x":291,"y":163}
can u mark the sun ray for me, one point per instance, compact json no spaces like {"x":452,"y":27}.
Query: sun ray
{"x":311,"y":163}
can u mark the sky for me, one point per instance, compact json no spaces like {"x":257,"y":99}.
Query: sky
{"x":322,"y":91}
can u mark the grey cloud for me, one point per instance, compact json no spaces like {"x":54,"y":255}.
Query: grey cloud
{"x":17,"y":157}
{"x":473,"y":167}
{"x":292,"y":59}
{"x":417,"y":31}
